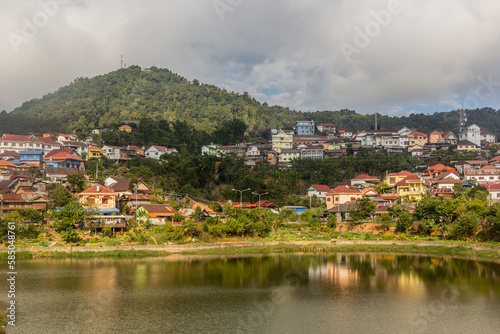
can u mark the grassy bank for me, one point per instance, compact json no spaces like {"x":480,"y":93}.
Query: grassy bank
{"x":85,"y":255}
{"x":458,"y":251}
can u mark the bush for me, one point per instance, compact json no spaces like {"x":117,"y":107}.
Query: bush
{"x":107,"y":232}
{"x":332,"y":221}
{"x":216,"y":230}
{"x":388,"y":236}
{"x":384,"y":221}
{"x":70,"y":236}
{"x":44,"y":244}
{"x":464,"y":227}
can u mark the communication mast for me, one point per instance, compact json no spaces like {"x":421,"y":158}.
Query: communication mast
{"x":463,"y":120}
{"x":121,"y":62}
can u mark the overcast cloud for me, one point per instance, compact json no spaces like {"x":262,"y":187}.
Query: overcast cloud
{"x":309,"y":55}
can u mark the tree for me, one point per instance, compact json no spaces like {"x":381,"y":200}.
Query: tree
{"x":77,"y":181}
{"x":364,"y":209}
{"x":61,"y":196}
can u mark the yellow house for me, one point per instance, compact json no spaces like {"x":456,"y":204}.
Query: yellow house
{"x":282,"y":141}
{"x":95,"y":152}
{"x":417,"y":139}
{"x":412,"y":188}
{"x":341,"y":195}
{"x":126,"y":128}
{"x":99,"y":197}
{"x":394,"y":178}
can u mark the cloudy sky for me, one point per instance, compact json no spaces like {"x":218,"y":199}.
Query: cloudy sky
{"x":387,"y":56}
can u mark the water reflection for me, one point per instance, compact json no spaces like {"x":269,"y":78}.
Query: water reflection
{"x":185,"y":294}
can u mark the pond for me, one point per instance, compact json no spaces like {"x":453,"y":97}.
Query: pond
{"x":337,"y":293}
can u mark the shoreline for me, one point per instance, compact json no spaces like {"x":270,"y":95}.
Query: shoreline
{"x":470,"y":251}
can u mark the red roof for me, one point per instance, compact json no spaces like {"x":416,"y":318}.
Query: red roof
{"x":63,"y":156}
{"x":21,"y":138}
{"x":10,"y":153}
{"x":365,"y":177}
{"x":493,"y":186}
{"x":7,"y":163}
{"x":75,"y":143}
{"x":320,"y":187}
{"x":93,"y":190}
{"x":57,"y":151}
{"x":344,"y":190}
{"x":408,"y":178}
{"x":95,"y":148}
{"x":416,"y":133}
{"x":402,"y":173}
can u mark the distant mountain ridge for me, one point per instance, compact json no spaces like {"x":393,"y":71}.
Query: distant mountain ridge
{"x":133,"y":93}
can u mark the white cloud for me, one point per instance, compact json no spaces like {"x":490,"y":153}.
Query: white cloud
{"x":283,"y":52}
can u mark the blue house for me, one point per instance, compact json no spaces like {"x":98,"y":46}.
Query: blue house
{"x":34,"y":158}
{"x":305,"y":128}
{"x":296,"y":209}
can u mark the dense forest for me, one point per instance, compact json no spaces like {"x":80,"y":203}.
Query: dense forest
{"x":160,"y":95}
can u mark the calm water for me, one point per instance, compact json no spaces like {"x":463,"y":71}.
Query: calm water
{"x":261,"y":294}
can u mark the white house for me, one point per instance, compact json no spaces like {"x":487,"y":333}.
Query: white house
{"x":18,"y":143}
{"x":488,"y":137}
{"x":483,"y":175}
{"x":155,"y":152}
{"x":319,"y":190}
{"x":471,"y":133}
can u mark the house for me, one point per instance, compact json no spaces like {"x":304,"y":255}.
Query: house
{"x":326,"y":127}
{"x":62,"y":137}
{"x":63,"y":159}
{"x":7,"y":165}
{"x":450,"y":138}
{"x":138,"y":151}
{"x":287,"y":156}
{"x":417,"y":139}
{"x":465,"y":145}
{"x":125,"y":128}
{"x":79,"y":147}
{"x":483,"y":175}
{"x":100,"y":198}
{"x":472,"y":134}
{"x":266,"y":204}
{"x":312,"y":152}
{"x":411,"y":187}
{"x":364,"y":180}
{"x":319,"y":190}
{"x":9,"y":155}
{"x":494,"y":192}
{"x":191,"y":207}
{"x":437,"y":169}
{"x":341,"y":195}
{"x":370,"y":192}
{"x":19,"y":143}
{"x":488,"y":137}
{"x":155,"y":151}
{"x":157,"y":214}
{"x":12,"y":201}
{"x":33,"y":158}
{"x":60,"y":174}
{"x":342,"y":211}
{"x":95,"y":152}
{"x":282,"y":141}
{"x":437,"y":137}
{"x":394,"y":178}
{"x":253,"y":153}
{"x":120,"y":185}
{"x":118,"y":153}
{"x":305,"y":128}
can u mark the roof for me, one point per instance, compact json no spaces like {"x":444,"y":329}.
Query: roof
{"x":159,"y":209}
{"x":21,"y":138}
{"x":63,"y":156}
{"x":61,"y":171}
{"x":10,"y":153}
{"x":125,"y":127}
{"x":95,"y":148}
{"x":366,"y":177}
{"x":416,"y":133}
{"x":492,"y":186}
{"x":122,"y":184}
{"x":326,"y":124}
{"x":93,"y":190}
{"x":133,"y":147}
{"x":344,"y":190}
{"x":481,"y":172}
{"x":484,"y":132}
{"x":466,"y":143}
{"x":7,"y":164}
{"x":402,"y":173}
{"x":320,"y":187}
{"x":407,"y":179}
{"x":74,"y":143}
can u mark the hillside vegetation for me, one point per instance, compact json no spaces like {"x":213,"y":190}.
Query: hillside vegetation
{"x":159,"y":94}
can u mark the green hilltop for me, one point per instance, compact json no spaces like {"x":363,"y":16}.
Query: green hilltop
{"x":159,"y":94}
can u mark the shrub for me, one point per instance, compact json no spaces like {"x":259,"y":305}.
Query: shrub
{"x":384,"y":221}
{"x":70,"y":236}
{"x":332,"y":221}
{"x":402,"y":237}
{"x":216,"y":230}
{"x":388,"y":236}
{"x":107,"y":232}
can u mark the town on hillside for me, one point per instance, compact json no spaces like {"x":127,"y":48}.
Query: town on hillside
{"x":33,"y":166}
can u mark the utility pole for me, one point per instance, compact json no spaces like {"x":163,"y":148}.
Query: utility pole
{"x":241,"y":195}
{"x":259,"y":195}
{"x":121,"y":62}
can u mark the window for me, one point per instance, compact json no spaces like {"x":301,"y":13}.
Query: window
{"x":353,"y":199}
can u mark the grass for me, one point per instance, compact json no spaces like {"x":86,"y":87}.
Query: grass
{"x":88,"y":254}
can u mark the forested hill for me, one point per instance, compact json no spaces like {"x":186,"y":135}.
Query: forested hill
{"x":159,"y":94}
{"x":133,"y":94}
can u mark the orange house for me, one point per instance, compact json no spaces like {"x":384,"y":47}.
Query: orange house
{"x":99,"y":197}
{"x":341,"y":195}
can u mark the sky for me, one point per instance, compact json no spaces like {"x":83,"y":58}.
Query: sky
{"x":391,"y":57}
